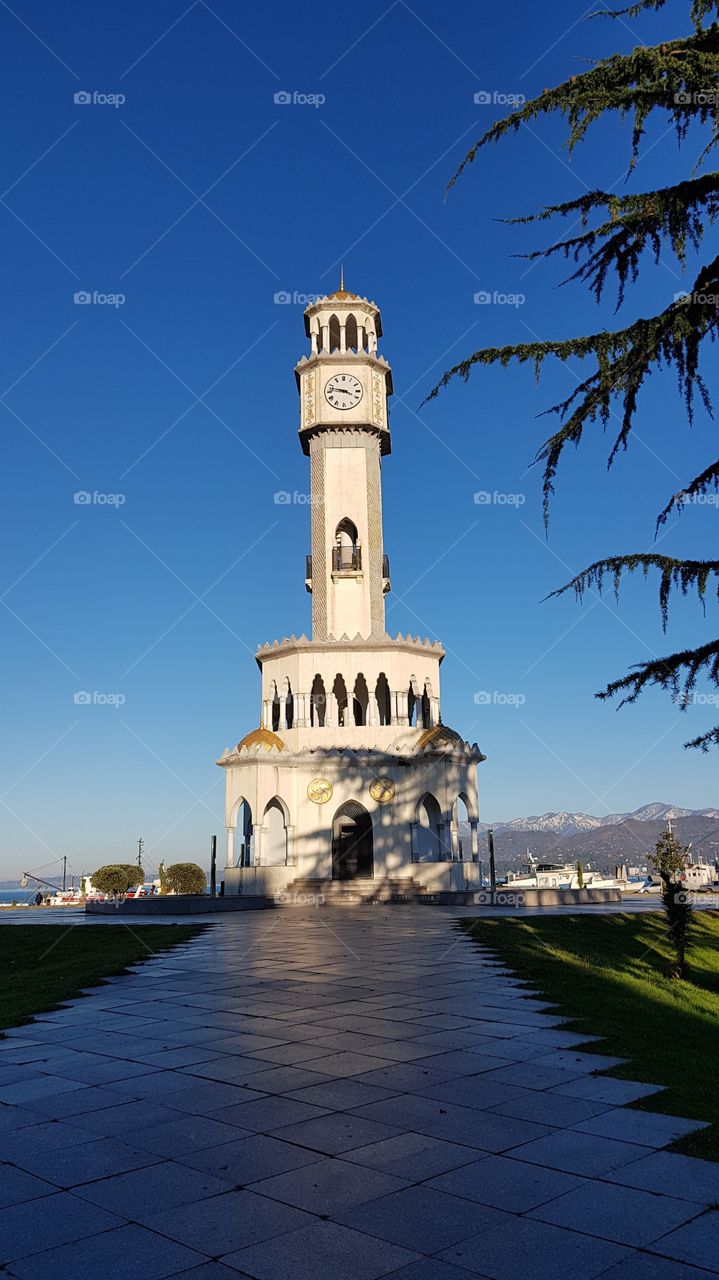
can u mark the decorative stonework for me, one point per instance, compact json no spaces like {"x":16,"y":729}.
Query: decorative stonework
{"x":378,"y":398}
{"x":382,"y":790}
{"x":309,"y":384}
{"x":320,"y":790}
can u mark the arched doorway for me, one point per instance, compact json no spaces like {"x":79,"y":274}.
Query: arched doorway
{"x":243,"y":835}
{"x":429,"y":816}
{"x":274,"y":852}
{"x":352,"y":853}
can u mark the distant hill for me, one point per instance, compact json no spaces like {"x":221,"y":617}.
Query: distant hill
{"x":618,"y":837}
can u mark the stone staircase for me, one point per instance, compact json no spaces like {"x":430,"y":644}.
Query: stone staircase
{"x":306,"y":891}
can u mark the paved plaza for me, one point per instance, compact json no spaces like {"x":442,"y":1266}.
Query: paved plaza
{"x":335,"y":1095}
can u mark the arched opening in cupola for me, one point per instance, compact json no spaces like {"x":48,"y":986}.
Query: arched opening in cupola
{"x":351,"y":333}
{"x":334,"y":333}
{"x":360,"y":701}
{"x":339,"y":689}
{"x":275,"y":698}
{"x":318,"y":702}
{"x":384,"y":701}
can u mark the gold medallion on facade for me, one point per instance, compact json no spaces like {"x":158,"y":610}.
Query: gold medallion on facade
{"x":320,"y":790}
{"x":382,"y":790}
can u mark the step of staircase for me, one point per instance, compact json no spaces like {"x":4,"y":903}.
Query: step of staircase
{"x":347,"y":892}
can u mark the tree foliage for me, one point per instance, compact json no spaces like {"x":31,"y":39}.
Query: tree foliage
{"x":678,"y":78}
{"x":670,"y":861}
{"x":117,"y":877}
{"x":185,"y":877}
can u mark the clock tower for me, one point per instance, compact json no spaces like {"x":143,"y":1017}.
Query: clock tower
{"x":351,"y":775}
{"x":344,"y":387}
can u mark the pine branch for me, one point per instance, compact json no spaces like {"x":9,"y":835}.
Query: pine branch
{"x":674,"y":574}
{"x":699,"y":9}
{"x":705,"y":740}
{"x":678,"y":76}
{"x":670,"y":215}
{"x":701,"y":484}
{"x":678,"y":674}
{"x":624,"y":358}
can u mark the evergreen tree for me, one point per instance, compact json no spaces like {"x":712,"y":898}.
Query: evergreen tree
{"x":679,"y":78}
{"x":670,"y":861}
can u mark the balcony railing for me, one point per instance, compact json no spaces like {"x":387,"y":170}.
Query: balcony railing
{"x":346,"y":559}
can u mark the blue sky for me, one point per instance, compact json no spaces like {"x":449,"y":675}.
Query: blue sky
{"x":197,"y":199}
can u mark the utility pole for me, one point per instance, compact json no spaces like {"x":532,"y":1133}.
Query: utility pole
{"x":213,"y":866}
{"x":140,"y":847}
{"x":492,"y":868}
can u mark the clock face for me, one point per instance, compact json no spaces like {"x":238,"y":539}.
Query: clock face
{"x":343,"y":391}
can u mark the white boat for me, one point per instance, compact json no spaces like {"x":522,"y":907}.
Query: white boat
{"x":559,"y":875}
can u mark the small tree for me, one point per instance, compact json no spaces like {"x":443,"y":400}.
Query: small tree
{"x":186,"y":877}
{"x":117,"y":877}
{"x":669,"y":861}
{"x":580,"y":875}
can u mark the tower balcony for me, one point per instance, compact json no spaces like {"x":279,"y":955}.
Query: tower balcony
{"x":346,"y":559}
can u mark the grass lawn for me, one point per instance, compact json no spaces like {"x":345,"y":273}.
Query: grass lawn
{"x":608,"y":973}
{"x":41,"y":965}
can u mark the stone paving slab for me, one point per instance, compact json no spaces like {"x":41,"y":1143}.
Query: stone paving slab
{"x":379,"y":1098}
{"x":668,"y":1174}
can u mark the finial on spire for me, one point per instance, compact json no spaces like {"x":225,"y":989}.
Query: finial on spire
{"x":342,"y":277}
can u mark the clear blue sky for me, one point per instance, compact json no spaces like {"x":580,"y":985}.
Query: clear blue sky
{"x":199,"y":198}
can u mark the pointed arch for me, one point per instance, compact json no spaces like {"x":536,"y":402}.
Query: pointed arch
{"x":428,"y":816}
{"x":275,"y":706}
{"x":384,"y":701}
{"x":334,"y":333}
{"x":460,"y":826}
{"x":414,"y":702}
{"x":339,"y":689}
{"x":289,"y":701}
{"x":318,"y":703}
{"x":351,"y":333}
{"x":241,"y":821}
{"x":274,"y":843}
{"x":360,"y":701}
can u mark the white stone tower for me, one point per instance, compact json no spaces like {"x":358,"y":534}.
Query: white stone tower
{"x":351,"y":775}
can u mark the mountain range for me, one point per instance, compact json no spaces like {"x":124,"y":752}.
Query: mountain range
{"x":617,"y":837}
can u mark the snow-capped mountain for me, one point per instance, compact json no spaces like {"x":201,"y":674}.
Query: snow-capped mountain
{"x":569,"y":824}
{"x":560,"y":823}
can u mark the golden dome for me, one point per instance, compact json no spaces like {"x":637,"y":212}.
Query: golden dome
{"x":440,"y":735}
{"x":342,"y":294}
{"x":262,"y":738}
